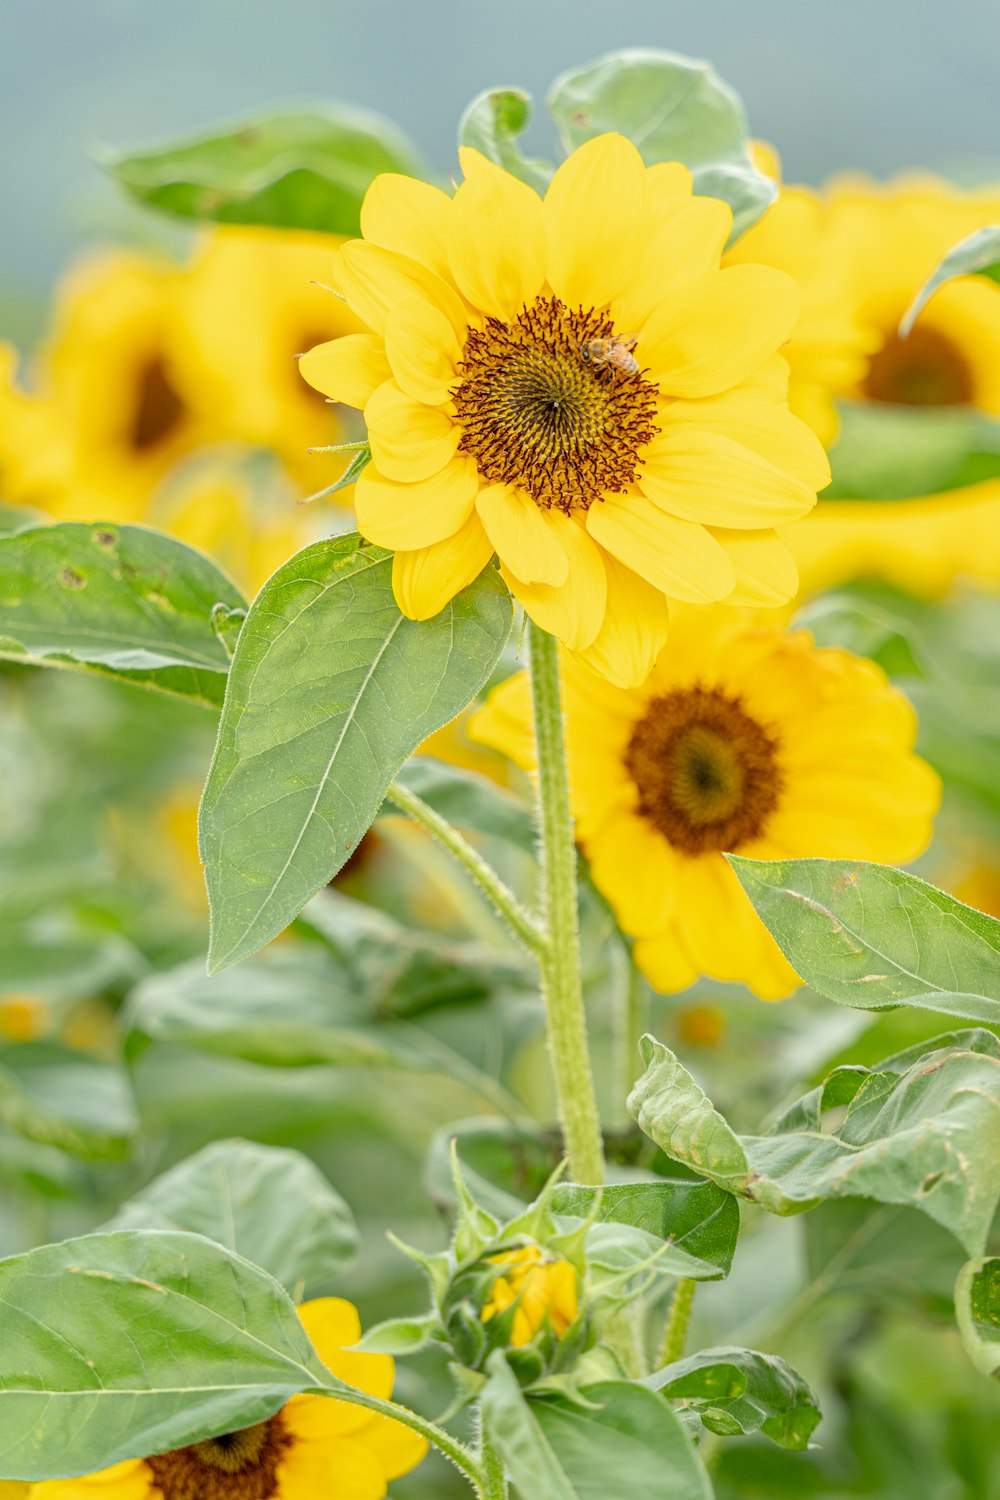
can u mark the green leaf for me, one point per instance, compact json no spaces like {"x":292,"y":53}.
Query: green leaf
{"x":977,"y":255}
{"x":293,"y":169}
{"x":557,"y":1449}
{"x":270,"y":1205}
{"x":122,"y":601}
{"x":886,"y":452}
{"x":739,"y":1391}
{"x":402,"y":1336}
{"x":492,"y":123}
{"x":57,"y":1097}
{"x":471,"y":801}
{"x":918,"y":1130}
{"x":120,"y":1345}
{"x":977,"y":1309}
{"x":675,"y":109}
{"x":699,"y":1221}
{"x":330,"y":690}
{"x":871,"y":937}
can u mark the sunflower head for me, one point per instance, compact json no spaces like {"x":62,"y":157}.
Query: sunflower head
{"x":521,"y":1298}
{"x":574,"y":384}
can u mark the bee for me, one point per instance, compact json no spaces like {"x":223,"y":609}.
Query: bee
{"x":615,"y":351}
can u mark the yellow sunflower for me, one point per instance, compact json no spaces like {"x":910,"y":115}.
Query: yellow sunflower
{"x":544,"y":1290}
{"x":859,"y":253}
{"x":313,"y":1447}
{"x":574,"y":384}
{"x":742,"y":739}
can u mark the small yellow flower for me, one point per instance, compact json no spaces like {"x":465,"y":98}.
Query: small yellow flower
{"x":22,"y":1017}
{"x":312,"y":1447}
{"x":574,"y":384}
{"x":742,"y":739}
{"x":544,"y":1290}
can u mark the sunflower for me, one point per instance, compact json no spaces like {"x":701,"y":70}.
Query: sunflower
{"x":574,"y":384}
{"x":542,"y":1290}
{"x":860,"y":252}
{"x":742,"y":739}
{"x":312,"y":1447}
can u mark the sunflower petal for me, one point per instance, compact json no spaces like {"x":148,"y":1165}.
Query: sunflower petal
{"x":677,"y":557}
{"x":573,"y":611}
{"x":423,"y":350}
{"x":349,"y":369}
{"x":408,"y":516}
{"x":374,"y":280}
{"x":766,"y":426}
{"x":596,"y":212}
{"x":428,"y":578}
{"x":410,"y":217}
{"x":766,"y":574}
{"x":409,"y":441}
{"x":709,"y":478}
{"x":527,"y":540}
{"x":634,"y":630}
{"x":685,"y":245}
{"x":496,"y":238}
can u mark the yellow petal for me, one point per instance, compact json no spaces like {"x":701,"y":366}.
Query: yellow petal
{"x":333,"y":1325}
{"x":678,"y":557}
{"x":637,"y":870}
{"x":668,"y":180}
{"x":526,"y":539}
{"x":715,"y":333}
{"x":705,"y":477}
{"x":572,"y":611}
{"x":132,"y":1480}
{"x":374,"y":280}
{"x":342,"y":1467}
{"x":596,"y":212}
{"x":410,"y":217}
{"x":726,"y":938}
{"x":397,"y":1447}
{"x":766,"y":574}
{"x":665,"y":961}
{"x":426,"y":579}
{"x":348,"y":369}
{"x":416,"y":515}
{"x":409,"y":441}
{"x":505,"y":721}
{"x":423,"y":349}
{"x":634,"y":630}
{"x":686,"y":245}
{"x":765,"y":426}
{"x":496,"y":238}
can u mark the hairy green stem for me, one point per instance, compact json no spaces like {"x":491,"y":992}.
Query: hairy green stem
{"x":494,"y":1478}
{"x":675,"y":1331}
{"x":457,"y":1453}
{"x":486,"y":878}
{"x":562,"y":985}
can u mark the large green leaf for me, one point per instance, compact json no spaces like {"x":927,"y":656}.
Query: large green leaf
{"x":330,"y":690}
{"x":272,"y":1206}
{"x":977,"y":1309}
{"x":58,"y":1097}
{"x":977,"y":255}
{"x":871,"y":937}
{"x":886,"y":452}
{"x":624,"y":1437}
{"x":492,"y":123}
{"x":675,"y":109}
{"x":739,"y":1391}
{"x":120,"y":1345}
{"x":922,"y":1130}
{"x":120,"y":600}
{"x":698,"y":1221}
{"x":294,"y":169}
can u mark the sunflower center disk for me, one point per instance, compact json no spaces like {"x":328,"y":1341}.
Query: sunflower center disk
{"x":706,"y":772}
{"x":537,"y":412}
{"x":235,"y":1466}
{"x":924,"y":369}
{"x":159,"y":408}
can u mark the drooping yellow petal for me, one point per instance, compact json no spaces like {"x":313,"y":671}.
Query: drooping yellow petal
{"x":374,"y":281}
{"x":416,"y":515}
{"x":410,"y":217}
{"x":496,"y":238}
{"x":678,"y":557}
{"x":628,"y":851}
{"x":685,"y":245}
{"x":596,"y":212}
{"x":572,"y":611}
{"x":716,"y":332}
{"x":333,"y":1325}
{"x":423,"y":350}
{"x":706,"y":477}
{"x":665,"y":961}
{"x":409,"y":441}
{"x":526,"y":539}
{"x":762,"y":425}
{"x":634,"y":630}
{"x":349,"y":369}
{"x":426,"y":579}
{"x":766,"y":574}
{"x":397,"y":1448}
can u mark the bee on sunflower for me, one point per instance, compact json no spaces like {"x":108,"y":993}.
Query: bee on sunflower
{"x":604,"y":485}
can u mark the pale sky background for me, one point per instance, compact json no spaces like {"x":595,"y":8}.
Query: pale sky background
{"x":879,"y":84}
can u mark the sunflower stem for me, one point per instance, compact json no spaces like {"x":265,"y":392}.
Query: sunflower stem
{"x":675,"y":1330}
{"x":631,"y":1011}
{"x":494,"y":1477}
{"x":521,"y":923}
{"x":562,"y":983}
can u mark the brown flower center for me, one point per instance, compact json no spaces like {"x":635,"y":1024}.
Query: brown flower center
{"x":158,"y":408}
{"x":234,"y":1466}
{"x":925,"y":369}
{"x":548,"y":403}
{"x":706,"y":772}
